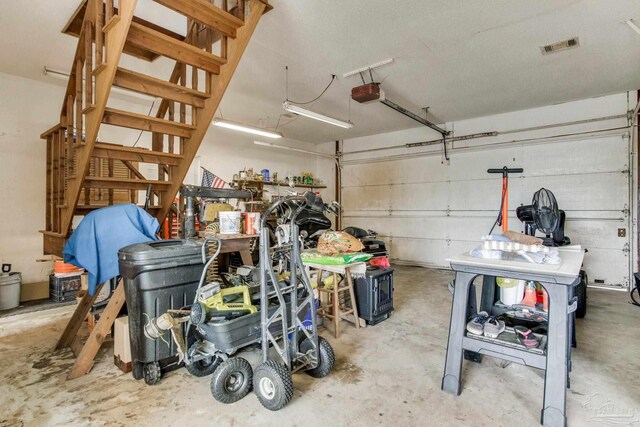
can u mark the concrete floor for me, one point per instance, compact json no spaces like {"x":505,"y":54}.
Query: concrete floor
{"x":387,"y":374}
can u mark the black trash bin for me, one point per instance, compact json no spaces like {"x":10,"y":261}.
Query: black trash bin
{"x":158,"y":276}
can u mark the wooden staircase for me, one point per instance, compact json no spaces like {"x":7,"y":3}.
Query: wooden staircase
{"x":84,"y":174}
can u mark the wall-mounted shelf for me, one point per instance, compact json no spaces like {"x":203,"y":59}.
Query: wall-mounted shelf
{"x":277,"y":184}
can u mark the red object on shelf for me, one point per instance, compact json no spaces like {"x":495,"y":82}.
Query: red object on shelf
{"x":380,"y":261}
{"x":529,"y":296}
{"x":60,"y":267}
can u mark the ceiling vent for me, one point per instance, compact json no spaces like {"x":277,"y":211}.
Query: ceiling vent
{"x":559,"y":46}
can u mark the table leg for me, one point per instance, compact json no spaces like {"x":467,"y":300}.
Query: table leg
{"x":453,"y":363}
{"x":488,"y":296}
{"x":555,"y":383}
{"x":472,"y":308}
{"x":352,"y":296}
{"x":336,"y":306}
{"x":245,"y":256}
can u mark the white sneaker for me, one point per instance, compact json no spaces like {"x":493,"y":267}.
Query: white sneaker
{"x":493,"y":327}
{"x":476,"y":324}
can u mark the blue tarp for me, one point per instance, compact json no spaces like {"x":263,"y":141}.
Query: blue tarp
{"x":95,"y":243}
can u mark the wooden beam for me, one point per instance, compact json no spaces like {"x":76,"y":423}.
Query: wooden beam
{"x":143,"y":83}
{"x":53,"y":245}
{"x":115,"y":40}
{"x":50,"y":131}
{"x":78,"y":316}
{"x":164,"y":45}
{"x":235,"y":48}
{"x":268,"y":8}
{"x":118,"y":152}
{"x":147,"y":123}
{"x":84,"y":362}
{"x":134,"y":170}
{"x":122,"y":183}
{"x":207,"y":14}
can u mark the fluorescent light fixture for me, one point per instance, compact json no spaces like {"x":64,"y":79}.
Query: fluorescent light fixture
{"x":367,"y":68}
{"x":292,"y":108}
{"x":245,"y":128}
{"x":633,"y":25}
{"x":298,"y":150}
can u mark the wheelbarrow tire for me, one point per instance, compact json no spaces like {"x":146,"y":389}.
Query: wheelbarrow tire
{"x":273,"y":385}
{"x":326,"y":360}
{"x":203,"y":367}
{"x":232,"y":380}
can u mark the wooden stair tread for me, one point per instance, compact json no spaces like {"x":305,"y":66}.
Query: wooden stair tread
{"x":207,"y":14}
{"x":74,"y":26}
{"x":123,"y":183}
{"x":105,"y":150}
{"x":143,"y":83}
{"x":52,"y":233}
{"x":85,"y":209}
{"x":162,"y":44}
{"x":130,"y":120}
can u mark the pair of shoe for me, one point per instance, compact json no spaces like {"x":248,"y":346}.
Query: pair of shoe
{"x":483,"y":324}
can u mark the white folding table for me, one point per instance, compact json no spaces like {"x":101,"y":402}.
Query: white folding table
{"x":558,"y":281}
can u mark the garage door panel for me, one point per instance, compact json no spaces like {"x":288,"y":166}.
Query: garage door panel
{"x":592,"y":155}
{"x":423,"y":228}
{"x":480,"y":195}
{"x":418,"y":169}
{"x":366,"y":174}
{"x":608,"y":191}
{"x":422,"y":251}
{"x":366,"y":198}
{"x":608,"y":266}
{"x":441,"y":210}
{"x":420,"y":197}
{"x":474,"y":165}
{"x":596,"y":234}
{"x":432,"y":227}
{"x":382,"y":226}
{"x":471,"y":228}
{"x":457,"y":248}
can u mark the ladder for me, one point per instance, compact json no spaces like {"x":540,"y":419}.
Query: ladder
{"x":83,"y":173}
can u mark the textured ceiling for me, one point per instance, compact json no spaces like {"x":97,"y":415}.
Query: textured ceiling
{"x":460,"y":58}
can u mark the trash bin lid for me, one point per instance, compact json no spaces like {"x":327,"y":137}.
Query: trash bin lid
{"x":161,"y":251}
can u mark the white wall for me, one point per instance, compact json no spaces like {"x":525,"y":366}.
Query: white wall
{"x":428,"y":209}
{"x":225,"y":152}
{"x":28,"y":108}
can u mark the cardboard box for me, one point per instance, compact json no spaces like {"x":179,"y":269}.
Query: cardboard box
{"x":34,"y":291}
{"x":121,"y":345}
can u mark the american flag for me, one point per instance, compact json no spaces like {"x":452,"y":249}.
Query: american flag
{"x":211,"y":180}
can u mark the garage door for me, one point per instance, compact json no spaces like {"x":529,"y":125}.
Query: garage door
{"x":426,"y":210}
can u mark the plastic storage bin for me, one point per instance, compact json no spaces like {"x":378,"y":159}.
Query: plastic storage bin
{"x":10,"y":290}
{"x":62,"y":289}
{"x":374,"y":295}
{"x":158,"y":276}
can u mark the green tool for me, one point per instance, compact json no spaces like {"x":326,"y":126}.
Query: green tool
{"x":213,"y":301}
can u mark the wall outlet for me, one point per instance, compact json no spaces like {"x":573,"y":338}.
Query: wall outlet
{"x":622,"y":232}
